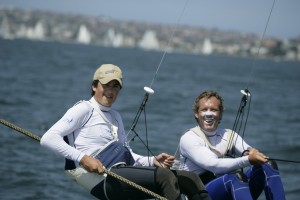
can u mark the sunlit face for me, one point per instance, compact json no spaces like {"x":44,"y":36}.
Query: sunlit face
{"x":106,"y":94}
{"x":208,"y":115}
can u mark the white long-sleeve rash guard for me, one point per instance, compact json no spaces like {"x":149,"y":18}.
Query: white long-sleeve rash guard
{"x":196,"y":156}
{"x":87,"y":132}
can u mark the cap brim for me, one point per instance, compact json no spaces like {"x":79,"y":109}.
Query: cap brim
{"x":107,"y":80}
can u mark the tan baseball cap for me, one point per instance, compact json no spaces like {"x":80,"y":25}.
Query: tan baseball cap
{"x":108,"y":72}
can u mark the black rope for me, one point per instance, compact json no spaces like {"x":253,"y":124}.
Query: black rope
{"x":238,"y":123}
{"x":284,"y":160}
{"x":134,"y":123}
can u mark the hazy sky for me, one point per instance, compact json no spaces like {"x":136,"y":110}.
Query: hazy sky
{"x":242,"y":15}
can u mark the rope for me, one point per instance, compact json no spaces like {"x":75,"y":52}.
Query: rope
{"x":250,"y":77}
{"x":114,"y":175}
{"x":10,"y":125}
{"x":260,"y":45}
{"x":169,"y":42}
{"x":143,"y":105}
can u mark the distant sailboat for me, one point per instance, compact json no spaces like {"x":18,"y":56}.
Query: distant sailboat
{"x":149,"y":41}
{"x":5,"y":29}
{"x":207,"y":47}
{"x":113,"y":39}
{"x":84,"y":35}
{"x":36,"y":33}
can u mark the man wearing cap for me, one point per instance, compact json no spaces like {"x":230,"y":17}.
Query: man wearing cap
{"x":91,"y":136}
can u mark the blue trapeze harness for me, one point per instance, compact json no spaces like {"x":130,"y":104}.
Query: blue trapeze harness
{"x":115,"y":153}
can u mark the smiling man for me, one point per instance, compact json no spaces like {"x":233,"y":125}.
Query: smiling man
{"x":206,"y":150}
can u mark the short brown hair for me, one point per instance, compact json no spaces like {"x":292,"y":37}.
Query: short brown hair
{"x":208,"y":94}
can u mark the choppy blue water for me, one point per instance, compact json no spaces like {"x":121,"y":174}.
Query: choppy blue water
{"x":39,"y":81}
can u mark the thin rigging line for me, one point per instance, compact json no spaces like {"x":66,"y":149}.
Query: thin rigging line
{"x":260,"y":45}
{"x":169,"y":41}
{"x":250,"y":80}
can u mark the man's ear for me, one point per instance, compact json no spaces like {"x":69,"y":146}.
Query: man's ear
{"x":196,"y":115}
{"x":94,"y":88}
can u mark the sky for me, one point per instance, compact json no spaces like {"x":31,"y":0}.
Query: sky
{"x":249,"y":16}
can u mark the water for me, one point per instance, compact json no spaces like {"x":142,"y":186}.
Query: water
{"x":40,"y":81}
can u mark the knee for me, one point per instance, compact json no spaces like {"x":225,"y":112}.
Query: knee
{"x":241,"y":176}
{"x":167,"y":183}
{"x":273,"y":164}
{"x":165,"y":175}
{"x":191,"y":179}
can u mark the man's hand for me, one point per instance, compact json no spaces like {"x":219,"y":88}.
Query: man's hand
{"x":91,"y":164}
{"x":164,"y":160}
{"x":256,"y":158}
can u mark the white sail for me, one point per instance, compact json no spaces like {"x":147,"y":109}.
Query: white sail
{"x":35,"y":33}
{"x":149,"y":41}
{"x":84,"y":35}
{"x":207,"y":47}
{"x":113,"y":39}
{"x":5,"y":29}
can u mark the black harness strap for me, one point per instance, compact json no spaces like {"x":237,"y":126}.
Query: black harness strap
{"x":69,"y":164}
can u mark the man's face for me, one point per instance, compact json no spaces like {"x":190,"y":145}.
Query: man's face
{"x":208,"y":114}
{"x":106,"y":94}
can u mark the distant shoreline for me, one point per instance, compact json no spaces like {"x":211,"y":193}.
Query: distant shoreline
{"x":102,"y":31}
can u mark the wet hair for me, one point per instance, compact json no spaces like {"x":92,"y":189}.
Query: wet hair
{"x":94,"y":84}
{"x":208,"y":94}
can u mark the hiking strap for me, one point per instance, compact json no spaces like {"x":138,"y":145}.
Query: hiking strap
{"x":200,"y":133}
